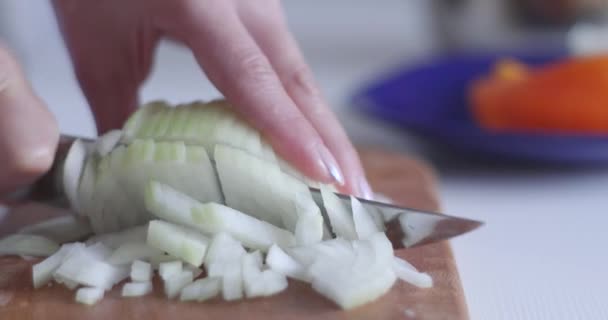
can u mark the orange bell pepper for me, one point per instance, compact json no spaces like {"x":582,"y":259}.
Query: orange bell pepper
{"x":570,"y":96}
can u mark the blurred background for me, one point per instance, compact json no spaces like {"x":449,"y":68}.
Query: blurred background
{"x":542,"y":194}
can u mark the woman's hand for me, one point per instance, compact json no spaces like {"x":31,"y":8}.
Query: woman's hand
{"x":28,"y":131}
{"x":243,"y":46}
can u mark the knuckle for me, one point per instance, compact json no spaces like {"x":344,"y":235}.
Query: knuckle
{"x":301,"y":78}
{"x":255,"y":66}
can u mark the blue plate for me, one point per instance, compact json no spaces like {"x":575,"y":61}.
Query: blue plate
{"x":430,"y":99}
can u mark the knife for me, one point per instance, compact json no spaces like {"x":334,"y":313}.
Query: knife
{"x":405,"y":227}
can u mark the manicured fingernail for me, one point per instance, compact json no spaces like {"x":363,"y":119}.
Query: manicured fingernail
{"x":364,"y":189}
{"x":331,"y":165}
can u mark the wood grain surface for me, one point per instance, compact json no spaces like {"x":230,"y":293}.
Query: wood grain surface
{"x":407,"y":181}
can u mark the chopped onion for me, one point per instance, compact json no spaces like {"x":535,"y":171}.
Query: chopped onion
{"x":168,"y":269}
{"x":83,"y":267}
{"x":407,"y":273}
{"x":62,"y":229}
{"x":232,"y":282}
{"x":202,"y":289}
{"x":141,"y":271}
{"x":42,"y":272}
{"x":340,"y":218}
{"x":282,"y":263}
{"x":251,"y":273}
{"x":175,"y":283}
{"x":169,"y":204}
{"x":259,"y":187}
{"x":26,"y":244}
{"x":136,"y":289}
{"x":353,"y":282}
{"x":274,"y":282}
{"x":181,"y":242}
{"x":89,"y":296}
{"x":365,"y":225}
{"x":196,"y":272}
{"x":253,"y":233}
{"x":131,"y":251}
{"x":223,"y":248}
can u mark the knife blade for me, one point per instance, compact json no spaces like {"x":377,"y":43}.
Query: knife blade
{"x":405,"y":227}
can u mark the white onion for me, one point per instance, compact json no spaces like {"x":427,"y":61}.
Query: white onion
{"x":201,"y":290}
{"x":282,"y":263}
{"x":168,"y":269}
{"x":136,"y":289}
{"x":89,"y":296}
{"x":26,"y":244}
{"x":141,"y":271}
{"x":181,"y":242}
{"x":176,"y":282}
{"x":340,"y":217}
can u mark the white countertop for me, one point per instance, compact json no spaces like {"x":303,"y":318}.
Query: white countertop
{"x":543,"y":251}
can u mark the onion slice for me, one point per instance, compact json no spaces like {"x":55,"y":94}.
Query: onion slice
{"x":27,"y":245}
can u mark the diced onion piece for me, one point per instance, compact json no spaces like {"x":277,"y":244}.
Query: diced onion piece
{"x":89,"y":296}
{"x":274,"y":282}
{"x":136,"y":289}
{"x":175,"y":283}
{"x":169,"y":204}
{"x":365,"y":226}
{"x":29,"y":245}
{"x":157,"y":260}
{"x":282,"y":263}
{"x":141,"y":271}
{"x":42,"y":272}
{"x":167,"y":270}
{"x":310,"y":226}
{"x":266,"y":283}
{"x":202,"y":289}
{"x":404,"y":271}
{"x":196,"y":272}
{"x":132,"y":251}
{"x":340,"y":217}
{"x":337,"y":248}
{"x":62,"y":229}
{"x":223,"y":248}
{"x":85,"y":269}
{"x":353,"y":282}
{"x":425,"y":225}
{"x":352,"y":295}
{"x":184,"y":243}
{"x":253,"y":233}
{"x":251,"y":273}
{"x":232,"y":282}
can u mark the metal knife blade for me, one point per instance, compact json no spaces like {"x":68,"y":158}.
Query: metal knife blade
{"x":405,"y":227}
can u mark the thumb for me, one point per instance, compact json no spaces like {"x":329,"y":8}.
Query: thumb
{"x":28,"y":131}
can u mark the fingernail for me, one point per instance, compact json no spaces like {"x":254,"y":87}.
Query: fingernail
{"x":364,"y":189}
{"x":331,"y":165}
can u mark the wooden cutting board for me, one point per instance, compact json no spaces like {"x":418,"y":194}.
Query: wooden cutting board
{"x":406,"y":181}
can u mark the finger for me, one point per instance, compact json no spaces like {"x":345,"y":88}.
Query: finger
{"x":275,"y":40}
{"x":110,"y":60}
{"x":234,"y":63}
{"x":28,"y":131}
